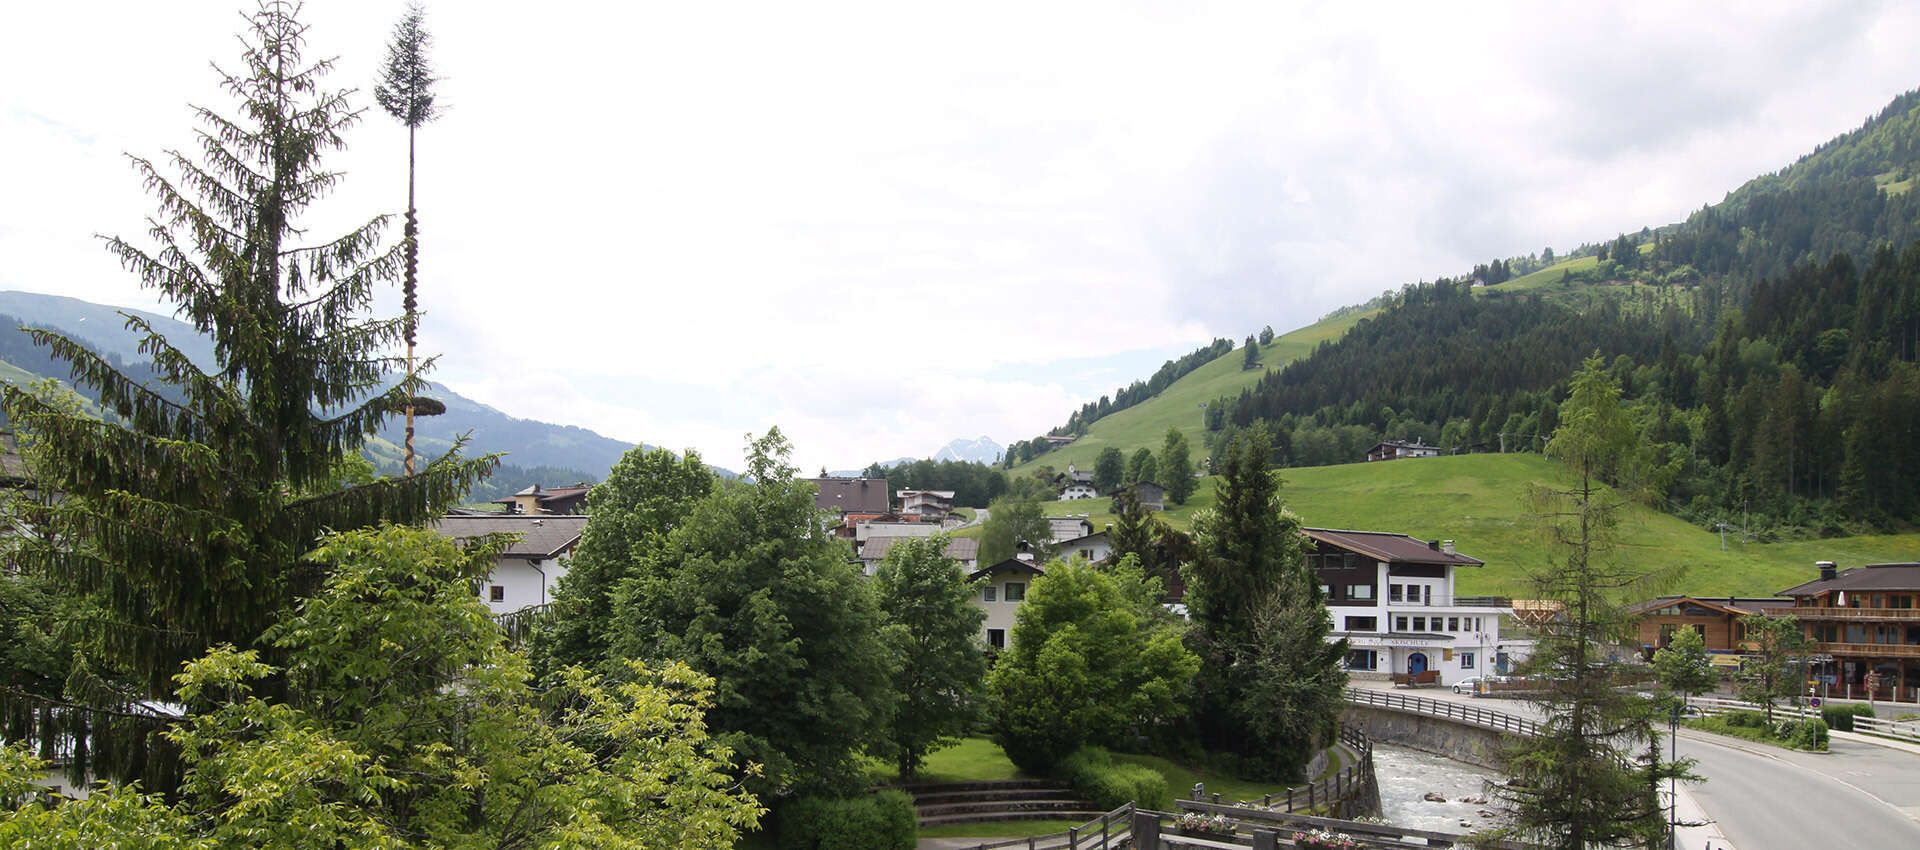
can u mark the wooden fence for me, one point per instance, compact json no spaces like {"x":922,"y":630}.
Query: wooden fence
{"x":1350,"y":792}
{"x":1110,"y":830}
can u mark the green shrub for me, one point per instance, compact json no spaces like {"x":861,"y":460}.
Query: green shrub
{"x":1841,"y":716}
{"x":1745,"y":719}
{"x":1808,"y":735}
{"x":1111,"y":784}
{"x":879,"y":821}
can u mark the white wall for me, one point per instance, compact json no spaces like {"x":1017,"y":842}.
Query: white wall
{"x":523,"y":583}
{"x":1000,"y":612}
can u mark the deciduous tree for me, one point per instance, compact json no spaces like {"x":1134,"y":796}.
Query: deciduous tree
{"x":1776,"y":669}
{"x":1012,"y":520}
{"x":1143,"y":467}
{"x":1109,"y":470}
{"x":1683,"y":665}
{"x":935,"y":628}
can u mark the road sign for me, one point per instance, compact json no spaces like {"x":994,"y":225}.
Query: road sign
{"x":1814,"y":702}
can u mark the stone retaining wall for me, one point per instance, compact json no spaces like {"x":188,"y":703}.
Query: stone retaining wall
{"x":1453,"y":739}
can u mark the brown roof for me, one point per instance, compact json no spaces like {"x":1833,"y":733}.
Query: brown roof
{"x":1725,"y":604}
{"x":852,"y":495}
{"x":1390,"y":547}
{"x":539,"y":536}
{"x":1008,"y":565}
{"x":1869,"y":577}
{"x":958,"y":548}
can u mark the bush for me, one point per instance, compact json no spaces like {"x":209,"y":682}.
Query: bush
{"x":1808,"y":735}
{"x":879,"y":821}
{"x":1841,"y":716}
{"x":1745,"y":719}
{"x":1111,"y":784}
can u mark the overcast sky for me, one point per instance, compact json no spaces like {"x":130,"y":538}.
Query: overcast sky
{"x":885,"y":226}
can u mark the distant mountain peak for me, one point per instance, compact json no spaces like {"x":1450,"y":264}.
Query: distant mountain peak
{"x":978,"y":450}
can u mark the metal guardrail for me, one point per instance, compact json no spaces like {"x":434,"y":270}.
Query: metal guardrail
{"x":1474,"y":715}
{"x":1110,"y":830}
{"x":1901,"y":730}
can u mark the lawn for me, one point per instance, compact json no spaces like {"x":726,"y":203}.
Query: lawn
{"x":1480,"y":502}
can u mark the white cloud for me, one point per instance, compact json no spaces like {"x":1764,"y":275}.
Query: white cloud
{"x":681,"y":222}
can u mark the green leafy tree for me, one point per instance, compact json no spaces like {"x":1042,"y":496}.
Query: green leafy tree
{"x":748,"y":589}
{"x":1683,"y":666}
{"x":406,"y":93}
{"x":1093,"y":660}
{"x":1776,"y":669}
{"x":1271,"y":681}
{"x":647,"y":495}
{"x":1012,"y":520}
{"x":935,"y":628}
{"x":1109,"y":470}
{"x":1570,"y":785}
{"x":408,"y":723}
{"x":1252,"y":349}
{"x":1176,"y":470}
{"x":1143,"y":467}
{"x":1266,"y":335}
{"x":188,"y":517}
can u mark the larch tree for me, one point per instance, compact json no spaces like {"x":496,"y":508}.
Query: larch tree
{"x":188,"y":517}
{"x":1271,"y":681}
{"x":1571,"y":786}
{"x":406,"y":93}
{"x":935,"y":628}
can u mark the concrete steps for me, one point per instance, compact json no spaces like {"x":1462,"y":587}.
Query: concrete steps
{"x":938,"y":803}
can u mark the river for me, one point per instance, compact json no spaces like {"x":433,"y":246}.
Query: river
{"x":1407,"y":776}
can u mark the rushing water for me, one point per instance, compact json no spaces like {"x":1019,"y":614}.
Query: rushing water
{"x":1407,"y":776}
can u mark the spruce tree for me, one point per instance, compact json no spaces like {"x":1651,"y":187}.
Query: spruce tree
{"x":1271,"y":682}
{"x":1176,"y":469}
{"x":406,"y":93}
{"x":188,"y":517}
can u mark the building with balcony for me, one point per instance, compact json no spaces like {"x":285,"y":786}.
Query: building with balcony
{"x":1717,"y":619}
{"x":1392,"y":597}
{"x":1865,"y":629}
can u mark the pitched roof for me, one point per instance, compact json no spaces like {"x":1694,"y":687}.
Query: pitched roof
{"x":958,"y":548}
{"x":1723,"y":604}
{"x":846,"y":495}
{"x":557,"y":494}
{"x":1085,"y":538}
{"x":1869,"y":577}
{"x":1390,"y":547}
{"x":539,"y":536}
{"x":1008,"y":565}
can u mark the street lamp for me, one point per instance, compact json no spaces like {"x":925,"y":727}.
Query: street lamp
{"x":1673,"y":779}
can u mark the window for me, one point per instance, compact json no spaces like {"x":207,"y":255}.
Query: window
{"x":1016,"y":591}
{"x":1087,"y":554}
{"x":497,"y":593}
{"x":1326,"y":590}
{"x":1399,"y":624}
{"x":1362,"y":659}
{"x":1426,"y":593}
{"x":997,"y":638}
{"x":1395,"y":592}
{"x":1419,"y":624}
{"x":1466,"y":661}
{"x":989,"y":593}
{"x":1359,"y":591}
{"x":1453,"y":624}
{"x":1363,"y":624}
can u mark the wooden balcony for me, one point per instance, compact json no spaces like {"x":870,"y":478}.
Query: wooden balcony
{"x":1851,"y":615}
{"x":1871,"y":650}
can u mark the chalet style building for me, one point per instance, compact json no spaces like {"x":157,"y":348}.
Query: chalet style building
{"x":1865,"y":629}
{"x":964,"y":550}
{"x":537,"y":501}
{"x":529,"y":569}
{"x":1717,"y":619}
{"x":1392,"y":597}
{"x":1399,"y":449}
{"x":927,"y":504}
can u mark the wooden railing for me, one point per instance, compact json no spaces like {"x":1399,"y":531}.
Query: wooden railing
{"x":1469,"y":714}
{"x":1884,"y":650}
{"x":1110,"y":830}
{"x":1349,"y":792}
{"x":1815,"y":613}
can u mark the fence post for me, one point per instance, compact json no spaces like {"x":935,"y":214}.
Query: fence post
{"x":1146,"y":830}
{"x":1310,"y":803}
{"x":1289,"y":799}
{"x":1266,"y":839}
{"x":1073,"y":837}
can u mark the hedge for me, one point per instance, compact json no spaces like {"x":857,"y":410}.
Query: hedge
{"x":1841,"y":716}
{"x":880,"y":821}
{"x":1111,"y":784}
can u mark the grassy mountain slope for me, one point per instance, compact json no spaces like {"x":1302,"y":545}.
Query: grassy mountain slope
{"x":1178,"y":406}
{"x":1481,"y":503}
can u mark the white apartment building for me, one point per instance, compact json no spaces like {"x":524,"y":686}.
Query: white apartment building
{"x":1392,"y":597}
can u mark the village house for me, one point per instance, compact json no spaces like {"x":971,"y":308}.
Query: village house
{"x":1392,"y":597}
{"x":1076,"y":484}
{"x":1865,"y":629}
{"x":528,"y":570}
{"x":1092,"y":548}
{"x":964,"y":550}
{"x":1399,"y":449}
{"x":1717,"y":620}
{"x":535,"y":501}
{"x":1151,"y":496}
{"x":1063,"y":528}
{"x":927,"y":504}
{"x":999,"y":590}
{"x":843,"y":496}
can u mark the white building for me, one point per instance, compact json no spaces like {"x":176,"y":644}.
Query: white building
{"x":1392,"y":597}
{"x":999,"y":590}
{"x":528,"y":570}
{"x":1091,"y":548}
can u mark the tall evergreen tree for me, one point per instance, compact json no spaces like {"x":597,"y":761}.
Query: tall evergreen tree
{"x":1176,"y":469}
{"x":406,"y":93}
{"x":1252,"y":348}
{"x":189,"y":516}
{"x":1271,"y":681}
{"x":1570,"y":785}
{"x":935,"y":627}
